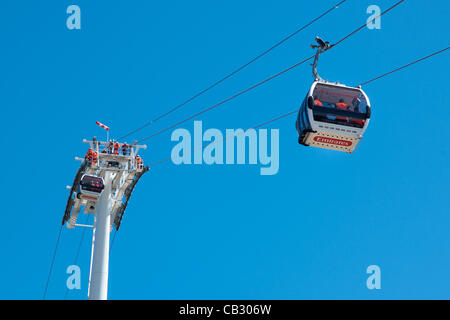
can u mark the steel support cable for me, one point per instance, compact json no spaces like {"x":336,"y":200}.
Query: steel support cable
{"x":167,"y":159}
{"x":405,"y":66}
{"x":270,"y":78}
{"x":219,"y":140}
{"x":112,"y":241}
{"x":368,"y":22}
{"x":78,"y":250}
{"x":226,"y":100}
{"x":234,"y":72}
{"x":52,"y":263}
{"x":295,"y":111}
{"x":256,"y":85}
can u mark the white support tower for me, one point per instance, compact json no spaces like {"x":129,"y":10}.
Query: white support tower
{"x":103,"y":186}
{"x":98,"y":277}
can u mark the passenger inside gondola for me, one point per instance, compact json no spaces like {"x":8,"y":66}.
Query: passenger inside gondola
{"x":317,"y":102}
{"x":355,"y":107}
{"x":341,"y":105}
{"x":338,"y":98}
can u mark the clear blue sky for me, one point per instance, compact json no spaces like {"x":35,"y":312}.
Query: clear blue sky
{"x":226,"y":232}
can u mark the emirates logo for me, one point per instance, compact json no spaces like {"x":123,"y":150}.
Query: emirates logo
{"x":337,"y":142}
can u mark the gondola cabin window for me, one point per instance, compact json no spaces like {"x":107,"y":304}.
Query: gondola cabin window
{"x":330,"y":101}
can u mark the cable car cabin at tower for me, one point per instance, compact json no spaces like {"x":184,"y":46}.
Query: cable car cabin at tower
{"x":90,"y":187}
{"x":333,"y":116}
{"x":119,"y":162}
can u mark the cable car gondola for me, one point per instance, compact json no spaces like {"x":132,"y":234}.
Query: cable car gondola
{"x":332,"y":115}
{"x":90,"y":187}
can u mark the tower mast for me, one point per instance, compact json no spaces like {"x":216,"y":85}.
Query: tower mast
{"x":102,"y":187}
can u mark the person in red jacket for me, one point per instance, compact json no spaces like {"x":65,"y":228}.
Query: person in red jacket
{"x":342,"y":106}
{"x":94,"y":158}
{"x":139,"y":162}
{"x":317,"y":102}
{"x":89,"y":156}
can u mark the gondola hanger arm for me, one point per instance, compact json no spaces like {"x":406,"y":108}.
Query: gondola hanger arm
{"x":321,"y":47}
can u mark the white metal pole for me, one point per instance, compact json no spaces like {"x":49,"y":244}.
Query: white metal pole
{"x":98,"y":285}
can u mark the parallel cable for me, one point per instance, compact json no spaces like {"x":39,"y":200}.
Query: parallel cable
{"x":235,"y":71}
{"x":270,"y":78}
{"x":228,"y":99}
{"x":78,"y":250}
{"x":295,"y":111}
{"x":112,"y":241}
{"x":368,"y":22}
{"x":257,"y":85}
{"x":405,"y":66}
{"x":52,"y":263}
{"x":219,"y":140}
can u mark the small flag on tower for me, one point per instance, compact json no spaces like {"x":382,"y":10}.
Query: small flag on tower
{"x":102,"y":125}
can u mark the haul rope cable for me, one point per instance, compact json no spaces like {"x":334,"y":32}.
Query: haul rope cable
{"x":233,"y":72}
{"x":52,"y":263}
{"x":238,"y":94}
{"x":268,"y":79}
{"x":405,"y":66}
{"x":78,"y":251}
{"x":295,"y":111}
